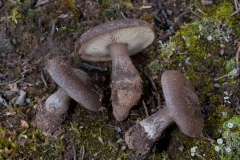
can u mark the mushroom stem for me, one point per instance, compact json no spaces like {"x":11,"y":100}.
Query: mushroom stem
{"x":142,"y":136}
{"x":126,"y":81}
{"x":157,"y":123}
{"x":58,"y":103}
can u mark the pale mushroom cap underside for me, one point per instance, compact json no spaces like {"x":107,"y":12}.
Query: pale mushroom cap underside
{"x":93,"y":45}
{"x":182,"y":102}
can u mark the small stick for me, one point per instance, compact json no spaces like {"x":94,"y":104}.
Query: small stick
{"x":114,"y":147}
{"x":43,"y":79}
{"x":145,"y":108}
{"x":13,"y":81}
{"x":237,"y":57}
{"x":74,"y":152}
{"x":123,"y":15}
{"x":237,"y":68}
{"x":155,"y":89}
{"x":83,"y":152}
{"x":227,"y":75}
{"x":237,"y":109}
{"x":236,"y":7}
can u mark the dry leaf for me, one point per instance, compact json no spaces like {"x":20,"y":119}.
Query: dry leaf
{"x":24,"y":124}
{"x":13,"y":87}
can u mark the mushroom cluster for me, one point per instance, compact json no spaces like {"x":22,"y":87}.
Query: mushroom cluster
{"x":116,"y":41}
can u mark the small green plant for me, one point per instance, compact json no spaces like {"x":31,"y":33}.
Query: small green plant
{"x":228,"y":145}
{"x":15,"y":15}
{"x":154,"y":67}
{"x":230,"y":65}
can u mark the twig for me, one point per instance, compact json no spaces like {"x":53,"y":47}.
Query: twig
{"x":236,"y":73}
{"x":145,"y":108}
{"x":13,"y":81}
{"x":41,"y":3}
{"x":123,"y":15}
{"x":236,"y":7}
{"x":83,"y":152}
{"x":114,"y":147}
{"x":237,"y":109}
{"x":227,"y":75}
{"x":74,"y":152}
{"x":200,"y":156}
{"x":43,"y":79}
{"x":155,"y":89}
{"x":236,"y":4}
{"x":237,"y":57}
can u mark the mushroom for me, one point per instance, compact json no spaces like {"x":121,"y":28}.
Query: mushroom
{"x":73,"y":83}
{"x":116,"y":41}
{"x":182,"y":107}
{"x":76,"y":83}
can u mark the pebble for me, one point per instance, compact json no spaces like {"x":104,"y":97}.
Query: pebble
{"x":216,"y":85}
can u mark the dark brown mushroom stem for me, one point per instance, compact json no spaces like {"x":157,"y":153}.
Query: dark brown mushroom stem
{"x":182,"y":107}
{"x":77,"y":86}
{"x":126,"y":81}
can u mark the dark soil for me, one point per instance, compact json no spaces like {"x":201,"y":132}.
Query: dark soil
{"x":34,"y":31}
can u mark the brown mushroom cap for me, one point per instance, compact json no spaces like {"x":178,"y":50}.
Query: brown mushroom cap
{"x":136,"y":33}
{"x":182,"y":103}
{"x":75,"y":83}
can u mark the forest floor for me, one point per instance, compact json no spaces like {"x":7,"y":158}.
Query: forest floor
{"x":201,"y":39}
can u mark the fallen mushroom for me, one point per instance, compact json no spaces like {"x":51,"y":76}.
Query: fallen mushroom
{"x":76,"y":83}
{"x":182,"y":107}
{"x":116,"y":41}
{"x":73,"y":83}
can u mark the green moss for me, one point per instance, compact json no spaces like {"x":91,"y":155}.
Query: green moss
{"x":219,"y":115}
{"x":223,"y":12}
{"x":194,"y":50}
{"x":95,"y":136}
{"x":70,"y":6}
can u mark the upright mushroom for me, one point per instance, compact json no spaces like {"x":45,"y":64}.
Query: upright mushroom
{"x":73,"y":83}
{"x":182,"y":107}
{"x":116,"y":41}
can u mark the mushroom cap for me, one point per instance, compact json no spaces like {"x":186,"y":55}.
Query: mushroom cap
{"x":182,"y":102}
{"x":75,"y":83}
{"x":136,"y":33}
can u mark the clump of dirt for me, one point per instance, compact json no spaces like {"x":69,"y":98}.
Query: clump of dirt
{"x":48,"y":122}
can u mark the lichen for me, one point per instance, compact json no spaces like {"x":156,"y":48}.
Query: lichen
{"x":195,"y":51}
